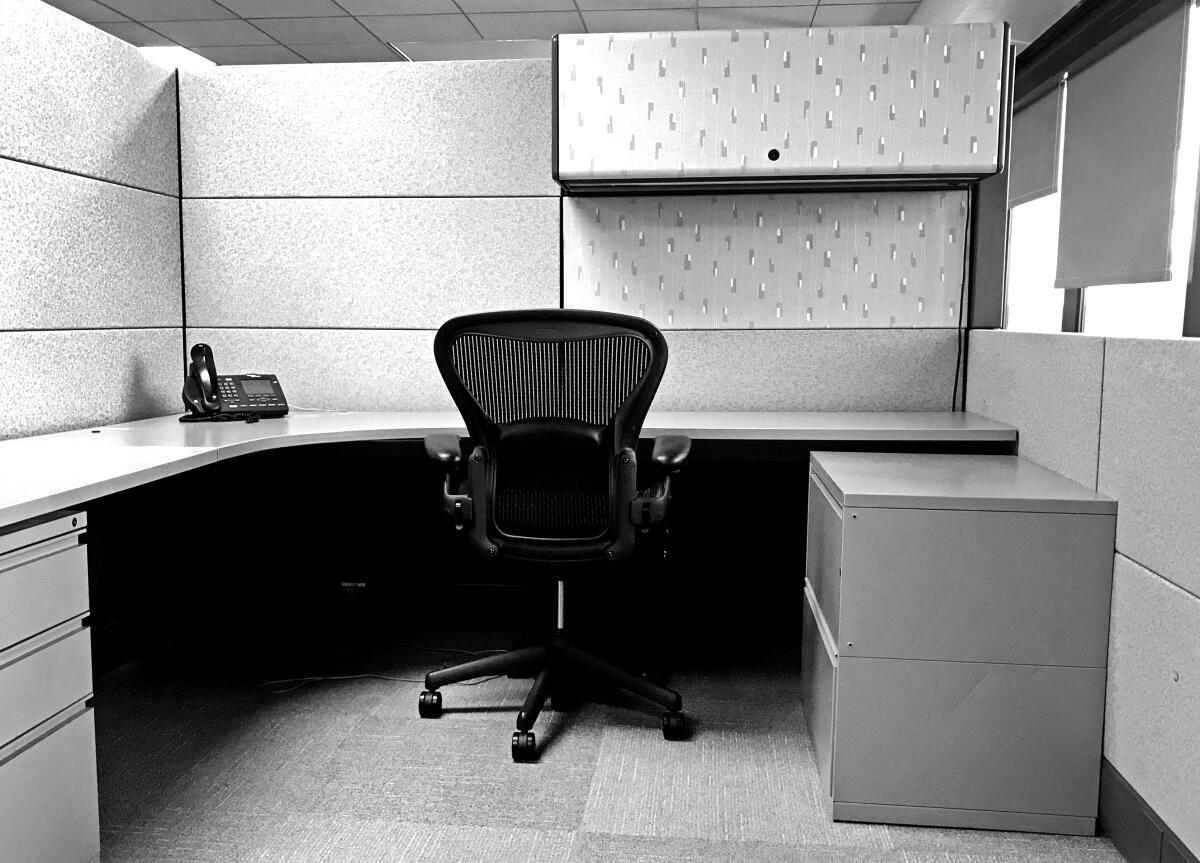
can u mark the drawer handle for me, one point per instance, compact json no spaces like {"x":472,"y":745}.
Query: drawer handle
{"x":38,"y":552}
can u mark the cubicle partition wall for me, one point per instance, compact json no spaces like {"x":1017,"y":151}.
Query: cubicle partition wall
{"x":332,"y":217}
{"x":336,"y":215}
{"x":1123,"y":416}
{"x":90,"y":302}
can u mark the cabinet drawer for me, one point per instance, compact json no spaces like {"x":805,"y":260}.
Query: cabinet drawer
{"x":823,"y":557}
{"x":976,"y":586}
{"x":43,"y":675}
{"x":818,"y":683}
{"x":48,"y":806}
{"x":41,"y":587}
{"x":968,"y":736}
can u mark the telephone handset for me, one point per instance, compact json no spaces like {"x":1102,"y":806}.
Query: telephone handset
{"x":209,"y":396}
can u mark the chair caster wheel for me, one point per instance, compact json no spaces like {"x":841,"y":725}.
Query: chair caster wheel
{"x":674,"y":725}
{"x":430,"y":704}
{"x":524,"y":746}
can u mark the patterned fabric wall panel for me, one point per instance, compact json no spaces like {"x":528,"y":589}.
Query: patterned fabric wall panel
{"x":833,"y":101}
{"x":769,"y":261}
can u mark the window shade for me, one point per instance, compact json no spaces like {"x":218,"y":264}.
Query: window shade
{"x":1118,"y":176}
{"x":1033,"y":159}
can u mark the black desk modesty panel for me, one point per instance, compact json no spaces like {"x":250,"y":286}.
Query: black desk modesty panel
{"x":49,"y":472}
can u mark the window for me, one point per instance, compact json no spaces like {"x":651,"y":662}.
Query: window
{"x":1147,"y":309}
{"x":1155,"y":310}
{"x":1031,"y":302}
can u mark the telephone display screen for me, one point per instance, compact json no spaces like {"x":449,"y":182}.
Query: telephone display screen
{"x":258,"y":388}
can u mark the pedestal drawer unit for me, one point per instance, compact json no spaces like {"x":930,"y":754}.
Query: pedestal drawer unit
{"x":48,"y":806}
{"x":956,"y":640}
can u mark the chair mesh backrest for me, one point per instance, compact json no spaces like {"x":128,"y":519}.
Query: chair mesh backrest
{"x":553,"y":395}
{"x":586,"y":380}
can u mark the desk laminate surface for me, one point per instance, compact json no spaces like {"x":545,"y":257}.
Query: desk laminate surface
{"x":48,"y":472}
{"x":1001,"y":483}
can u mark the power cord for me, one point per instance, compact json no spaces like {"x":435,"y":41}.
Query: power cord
{"x":291,"y":684}
{"x":962,"y":295}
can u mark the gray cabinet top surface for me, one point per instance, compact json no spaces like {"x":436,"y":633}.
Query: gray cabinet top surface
{"x":937,"y":481}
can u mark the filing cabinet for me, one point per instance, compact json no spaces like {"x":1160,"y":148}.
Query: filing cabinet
{"x":48,"y":800}
{"x":955,"y":640}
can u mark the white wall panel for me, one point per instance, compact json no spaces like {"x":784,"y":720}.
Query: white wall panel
{"x":1150,"y":453}
{"x":1048,"y":386}
{"x":407,"y":263}
{"x":77,"y":252}
{"x":75,"y":98}
{"x":1150,"y":733}
{"x":833,"y":370}
{"x":365,"y":370}
{"x":65,"y":379}
{"x":388,"y":129}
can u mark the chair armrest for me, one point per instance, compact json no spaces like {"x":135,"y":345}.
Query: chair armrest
{"x":444,"y":448}
{"x":653,"y":504}
{"x":671,"y":451}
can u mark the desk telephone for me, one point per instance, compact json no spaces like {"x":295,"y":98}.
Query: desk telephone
{"x":209,"y":396}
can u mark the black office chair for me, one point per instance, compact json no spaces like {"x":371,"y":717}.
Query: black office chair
{"x":553,"y":402}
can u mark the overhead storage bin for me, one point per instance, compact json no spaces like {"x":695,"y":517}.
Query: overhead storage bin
{"x":821,"y":107}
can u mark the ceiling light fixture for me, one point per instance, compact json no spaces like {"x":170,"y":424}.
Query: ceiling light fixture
{"x":175,"y":57}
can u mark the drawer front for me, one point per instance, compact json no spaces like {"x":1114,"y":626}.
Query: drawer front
{"x":39,"y":529}
{"x":823,"y":558}
{"x":48,"y":805}
{"x":42,"y":676}
{"x":966,"y":735}
{"x":41,"y":592}
{"x":818,"y":680}
{"x":1004,"y":587}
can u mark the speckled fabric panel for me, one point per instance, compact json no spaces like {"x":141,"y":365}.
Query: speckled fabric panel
{"x":77,"y":252}
{"x":80,"y":100}
{"x":407,"y":263}
{"x":746,"y":261}
{"x":67,"y":379}
{"x":475,"y":128}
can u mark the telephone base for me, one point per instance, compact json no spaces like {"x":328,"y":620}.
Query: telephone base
{"x":219,"y":418}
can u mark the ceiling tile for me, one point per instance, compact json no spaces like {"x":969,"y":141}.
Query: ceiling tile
{"x":480,"y":6}
{"x":359,"y":52}
{"x":171,"y":10}
{"x":784,"y":3}
{"x":506,"y":49}
{"x":285,"y":8}
{"x":879,"y":2}
{"x":314,"y":31}
{"x":756,"y":17}
{"x":527,"y":25}
{"x":421,"y":28}
{"x":397,"y":7}
{"x":612,"y":5}
{"x":250,"y":55}
{"x":134,"y":34}
{"x":87,"y":10}
{"x":193,"y":34}
{"x":636,"y":21}
{"x":863,"y":14}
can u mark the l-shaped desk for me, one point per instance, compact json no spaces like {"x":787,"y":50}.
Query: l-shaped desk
{"x":39,"y":475}
{"x":48,"y":799}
